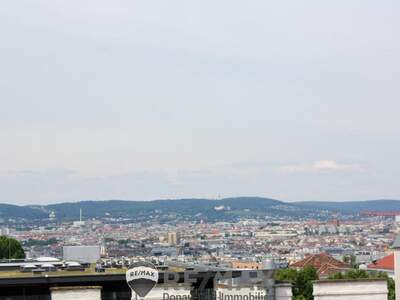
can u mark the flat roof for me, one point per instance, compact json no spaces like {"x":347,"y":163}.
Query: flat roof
{"x":61,"y":273}
{"x":35,"y":262}
{"x":82,"y":279}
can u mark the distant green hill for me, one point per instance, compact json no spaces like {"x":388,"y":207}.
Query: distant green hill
{"x":9,"y":211}
{"x":353,"y":206}
{"x":190,"y":209}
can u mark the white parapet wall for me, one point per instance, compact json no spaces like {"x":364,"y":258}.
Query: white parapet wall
{"x":76,"y":293}
{"x":361,"y":289}
{"x":283,"y":291}
{"x":397,"y":271}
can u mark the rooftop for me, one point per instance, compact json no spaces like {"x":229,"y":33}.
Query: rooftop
{"x":58,"y":273}
{"x":323,"y":263}
{"x":385,"y":263}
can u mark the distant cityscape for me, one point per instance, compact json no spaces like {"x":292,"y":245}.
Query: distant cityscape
{"x":286,"y":239}
{"x":246,"y":233}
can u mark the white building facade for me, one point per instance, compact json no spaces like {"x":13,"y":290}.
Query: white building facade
{"x":359,"y":289}
{"x":76,"y":293}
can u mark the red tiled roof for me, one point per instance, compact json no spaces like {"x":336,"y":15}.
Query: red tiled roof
{"x":385,"y":263}
{"x":323,"y":263}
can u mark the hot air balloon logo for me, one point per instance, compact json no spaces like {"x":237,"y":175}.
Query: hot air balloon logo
{"x":142,"y":277}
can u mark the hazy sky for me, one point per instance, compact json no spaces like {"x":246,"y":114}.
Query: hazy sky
{"x":295,"y":100}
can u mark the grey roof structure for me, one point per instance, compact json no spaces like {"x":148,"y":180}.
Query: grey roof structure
{"x":396,"y":243}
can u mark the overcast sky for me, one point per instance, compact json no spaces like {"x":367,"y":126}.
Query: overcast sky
{"x":294,"y":100}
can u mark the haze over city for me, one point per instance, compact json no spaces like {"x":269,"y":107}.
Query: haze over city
{"x":169,"y":99}
{"x":199,"y":150}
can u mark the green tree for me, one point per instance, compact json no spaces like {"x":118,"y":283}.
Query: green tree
{"x":10,"y":248}
{"x":351,"y":260}
{"x":391,"y":288}
{"x":302,"y":281}
{"x":351,"y":274}
{"x":32,"y":242}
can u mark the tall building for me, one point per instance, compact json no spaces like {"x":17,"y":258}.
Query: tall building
{"x":79,"y":223}
{"x":103,"y":249}
{"x":83,"y":254}
{"x":4,"y":231}
{"x":173,"y":238}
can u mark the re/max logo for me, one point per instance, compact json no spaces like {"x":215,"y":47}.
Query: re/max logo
{"x":142,"y":273}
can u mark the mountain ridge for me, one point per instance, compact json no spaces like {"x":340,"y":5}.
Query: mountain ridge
{"x":189,"y":208}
